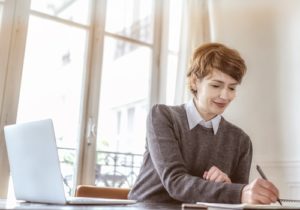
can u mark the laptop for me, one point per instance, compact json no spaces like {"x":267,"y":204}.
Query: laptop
{"x":35,"y":168}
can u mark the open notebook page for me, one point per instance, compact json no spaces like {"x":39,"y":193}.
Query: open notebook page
{"x":286,"y":204}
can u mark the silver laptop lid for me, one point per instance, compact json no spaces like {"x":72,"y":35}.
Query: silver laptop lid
{"x":34,"y":163}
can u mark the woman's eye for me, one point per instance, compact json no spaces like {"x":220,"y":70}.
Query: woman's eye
{"x":233,"y":89}
{"x":215,"y":86}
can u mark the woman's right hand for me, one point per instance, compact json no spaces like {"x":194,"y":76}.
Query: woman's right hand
{"x":216,"y":175}
{"x":260,"y":191}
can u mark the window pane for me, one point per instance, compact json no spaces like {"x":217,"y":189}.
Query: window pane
{"x":123,"y":111}
{"x":52,"y":80}
{"x":73,"y":10}
{"x":131,"y":18}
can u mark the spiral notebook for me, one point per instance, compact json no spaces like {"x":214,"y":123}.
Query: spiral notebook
{"x":286,"y":204}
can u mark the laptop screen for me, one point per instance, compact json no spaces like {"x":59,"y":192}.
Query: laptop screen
{"x":34,"y":162}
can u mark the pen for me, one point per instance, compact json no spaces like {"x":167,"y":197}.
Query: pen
{"x":264,"y":177}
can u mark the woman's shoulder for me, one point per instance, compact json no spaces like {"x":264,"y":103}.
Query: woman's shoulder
{"x":170,"y":113}
{"x":166,"y":115}
{"x":230,"y":127}
{"x":168,"y":109}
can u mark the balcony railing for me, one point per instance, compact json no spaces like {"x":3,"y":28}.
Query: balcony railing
{"x":116,"y":169}
{"x":113,"y":169}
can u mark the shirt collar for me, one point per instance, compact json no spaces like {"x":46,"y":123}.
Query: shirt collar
{"x":194,"y":118}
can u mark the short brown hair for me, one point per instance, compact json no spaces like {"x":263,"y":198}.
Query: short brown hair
{"x":212,"y":56}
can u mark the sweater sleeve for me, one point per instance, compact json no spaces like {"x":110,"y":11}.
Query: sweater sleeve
{"x":168,"y":162}
{"x":242,"y":169}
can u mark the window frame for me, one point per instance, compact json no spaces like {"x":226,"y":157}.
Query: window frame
{"x":13,"y":39}
{"x":86,"y":172}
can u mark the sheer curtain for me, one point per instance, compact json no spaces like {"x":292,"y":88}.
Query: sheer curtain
{"x":195,"y":30}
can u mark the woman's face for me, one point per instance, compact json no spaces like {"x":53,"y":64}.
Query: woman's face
{"x":214,"y":93}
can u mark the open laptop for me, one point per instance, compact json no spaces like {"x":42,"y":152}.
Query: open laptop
{"x":35,"y":167}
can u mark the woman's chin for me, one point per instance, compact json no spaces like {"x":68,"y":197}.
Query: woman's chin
{"x":219,"y":111}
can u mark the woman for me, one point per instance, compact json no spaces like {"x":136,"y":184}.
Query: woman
{"x":194,"y":154}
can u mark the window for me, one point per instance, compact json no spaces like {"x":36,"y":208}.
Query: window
{"x":87,"y":60}
{"x":125,"y":86}
{"x":131,"y":18}
{"x":125,"y":83}
{"x":54,"y":72}
{"x":77,"y":11}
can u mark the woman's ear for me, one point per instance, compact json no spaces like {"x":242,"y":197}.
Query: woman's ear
{"x":193,"y":82}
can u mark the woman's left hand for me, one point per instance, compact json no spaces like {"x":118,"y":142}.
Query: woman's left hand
{"x":216,"y":175}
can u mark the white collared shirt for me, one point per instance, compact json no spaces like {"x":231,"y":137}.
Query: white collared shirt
{"x":195,"y":118}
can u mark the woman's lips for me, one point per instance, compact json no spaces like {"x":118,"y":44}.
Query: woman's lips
{"x":221,"y":105}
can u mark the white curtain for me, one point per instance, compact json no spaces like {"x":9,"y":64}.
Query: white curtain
{"x":195,"y":31}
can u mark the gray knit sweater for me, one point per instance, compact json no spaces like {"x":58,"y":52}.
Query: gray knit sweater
{"x":176,"y":158}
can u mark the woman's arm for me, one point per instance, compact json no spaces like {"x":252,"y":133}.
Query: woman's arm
{"x":166,"y":155}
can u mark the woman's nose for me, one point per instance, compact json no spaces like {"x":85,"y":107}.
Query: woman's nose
{"x":224,"y":94}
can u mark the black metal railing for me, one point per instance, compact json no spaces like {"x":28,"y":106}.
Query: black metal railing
{"x":116,"y":169}
{"x":67,"y":160}
{"x":113,"y":169}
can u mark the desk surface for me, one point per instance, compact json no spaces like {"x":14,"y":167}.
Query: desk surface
{"x":34,"y":206}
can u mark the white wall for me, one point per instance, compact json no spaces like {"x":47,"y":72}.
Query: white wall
{"x":267,"y":34}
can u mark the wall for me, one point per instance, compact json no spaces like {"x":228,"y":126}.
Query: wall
{"x":267,"y":106}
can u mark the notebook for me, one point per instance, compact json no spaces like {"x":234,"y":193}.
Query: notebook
{"x":35,"y":168}
{"x":286,"y":204}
